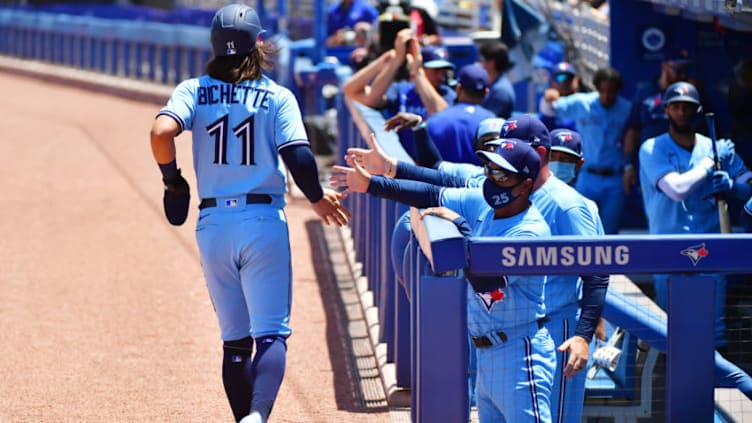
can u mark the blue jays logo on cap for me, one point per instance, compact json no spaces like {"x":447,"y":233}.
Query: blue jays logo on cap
{"x":681,"y":90}
{"x":696,"y":253}
{"x":527,"y":128}
{"x":566,"y":141}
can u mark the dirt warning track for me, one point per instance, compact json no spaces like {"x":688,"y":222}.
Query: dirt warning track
{"x":104,"y":315}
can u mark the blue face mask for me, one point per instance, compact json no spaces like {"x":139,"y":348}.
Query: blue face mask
{"x":563,"y":170}
{"x":496,"y":196}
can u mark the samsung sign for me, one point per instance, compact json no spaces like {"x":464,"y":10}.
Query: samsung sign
{"x":568,"y":255}
{"x":610,"y":254}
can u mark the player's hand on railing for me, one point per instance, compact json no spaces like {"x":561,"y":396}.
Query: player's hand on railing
{"x":579,"y":352}
{"x":373,"y":159}
{"x":442,"y":212}
{"x":403,"y":120}
{"x":352,"y":179}
{"x":330,"y":208}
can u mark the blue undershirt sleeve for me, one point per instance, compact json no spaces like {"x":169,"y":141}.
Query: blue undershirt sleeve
{"x":426,"y":152}
{"x":413,"y":193}
{"x":423,"y":174}
{"x":593,"y":296}
{"x":302,"y":164}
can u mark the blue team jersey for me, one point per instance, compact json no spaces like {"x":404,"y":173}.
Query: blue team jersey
{"x":601,"y":129}
{"x":698,"y":213}
{"x":647,"y":114}
{"x":472,"y":174}
{"x":402,"y":97}
{"x":238,"y":130}
{"x":501,"y":97}
{"x":567,"y":212}
{"x":453,"y":129}
{"x":359,"y":11}
{"x":522,"y":300}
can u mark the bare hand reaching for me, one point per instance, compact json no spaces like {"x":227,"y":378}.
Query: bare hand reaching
{"x":330,"y":209}
{"x":352,"y":179}
{"x":374,"y":159}
{"x":402,"y":120}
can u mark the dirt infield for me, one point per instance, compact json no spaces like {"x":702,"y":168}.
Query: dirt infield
{"x":104,"y":314}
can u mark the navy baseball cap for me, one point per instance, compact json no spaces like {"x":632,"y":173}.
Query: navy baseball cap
{"x":563,"y":71}
{"x":513,"y":155}
{"x":473,"y":77}
{"x":527,"y":128}
{"x":489,"y":126}
{"x":566,"y":141}
{"x":435,"y":57}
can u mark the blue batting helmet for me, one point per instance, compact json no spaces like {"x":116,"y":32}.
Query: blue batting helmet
{"x":234,"y":30}
{"x":681,"y":92}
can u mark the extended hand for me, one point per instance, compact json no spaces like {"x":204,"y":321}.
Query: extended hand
{"x":330,"y":209}
{"x":374,"y":159}
{"x":353,"y":179}
{"x":402,"y":120}
{"x":579,"y":351}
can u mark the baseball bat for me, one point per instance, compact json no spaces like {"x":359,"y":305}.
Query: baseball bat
{"x":723,"y":213}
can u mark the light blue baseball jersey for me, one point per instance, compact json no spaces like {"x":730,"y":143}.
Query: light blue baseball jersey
{"x":238,"y":130}
{"x":471,"y":173}
{"x":522,"y":301}
{"x":514,"y":377}
{"x":567,"y":213}
{"x":698,"y":213}
{"x":601,"y":129}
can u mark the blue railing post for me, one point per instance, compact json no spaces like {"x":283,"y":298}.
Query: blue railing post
{"x":691,"y":321}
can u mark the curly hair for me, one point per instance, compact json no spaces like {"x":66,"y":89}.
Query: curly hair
{"x":239,"y":68}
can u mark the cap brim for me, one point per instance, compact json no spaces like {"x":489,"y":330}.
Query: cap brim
{"x":566,"y":150}
{"x":563,"y":76}
{"x":438,"y":64}
{"x":682,"y":99}
{"x":496,"y":159}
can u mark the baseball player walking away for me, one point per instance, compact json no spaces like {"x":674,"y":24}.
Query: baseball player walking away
{"x":241,"y":123}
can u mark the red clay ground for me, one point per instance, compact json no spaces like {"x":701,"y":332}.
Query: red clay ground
{"x":104,"y":315}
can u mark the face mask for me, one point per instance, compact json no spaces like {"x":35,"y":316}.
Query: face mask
{"x":563,"y":170}
{"x":496,"y":196}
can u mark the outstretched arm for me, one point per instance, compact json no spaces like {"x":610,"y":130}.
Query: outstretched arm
{"x":359,"y":87}
{"x":325,"y":202}
{"x":412,"y":193}
{"x":426,"y":152}
{"x":429,"y":96}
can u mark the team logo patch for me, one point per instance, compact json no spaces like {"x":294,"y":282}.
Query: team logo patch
{"x":509,"y":125}
{"x":696,"y":253}
{"x":564,"y":137}
{"x":231,"y":48}
{"x":231,"y":202}
{"x":491,"y":297}
{"x":237,"y":358}
{"x":682,"y":90}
